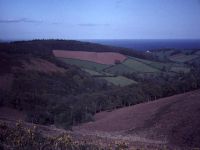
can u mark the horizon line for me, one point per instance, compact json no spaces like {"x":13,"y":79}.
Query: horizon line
{"x":77,"y":39}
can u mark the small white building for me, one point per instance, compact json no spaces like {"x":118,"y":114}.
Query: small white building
{"x":148,"y":51}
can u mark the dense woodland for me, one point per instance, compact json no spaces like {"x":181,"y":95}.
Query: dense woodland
{"x":74,"y":97}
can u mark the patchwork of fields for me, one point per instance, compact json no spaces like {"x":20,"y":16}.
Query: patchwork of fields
{"x":113,"y":66}
{"x":84,"y":64}
{"x":197,"y":53}
{"x":182,"y":57}
{"x":177,"y":55}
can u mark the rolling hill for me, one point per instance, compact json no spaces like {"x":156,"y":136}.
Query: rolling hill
{"x":174,"y":120}
{"x":113,"y":66}
{"x":96,"y":62}
{"x":168,"y":123}
{"x":52,"y":90}
{"x":179,"y":56}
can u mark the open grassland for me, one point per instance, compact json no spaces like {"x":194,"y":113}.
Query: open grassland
{"x":146,"y":67}
{"x":84,"y":64}
{"x":182,"y":57}
{"x":179,"y":69}
{"x":154,"y":64}
{"x":168,"y":52}
{"x":197,"y":52}
{"x":119,"y":80}
{"x":92,"y":72}
{"x":163,"y":55}
{"x":131,"y":65}
{"x":97,"y":74}
{"x":114,"y":74}
{"x":164,"y":120}
{"x":119,"y":69}
{"x":108,"y":58}
{"x":138,"y":66}
{"x":96,"y":69}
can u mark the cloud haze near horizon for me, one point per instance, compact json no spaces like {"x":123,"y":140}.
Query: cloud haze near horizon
{"x":100,"y":19}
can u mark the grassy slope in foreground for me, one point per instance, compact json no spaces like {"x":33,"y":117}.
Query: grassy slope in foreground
{"x":175,"y":117}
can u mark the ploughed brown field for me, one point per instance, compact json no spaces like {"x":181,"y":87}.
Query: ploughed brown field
{"x":109,"y":58}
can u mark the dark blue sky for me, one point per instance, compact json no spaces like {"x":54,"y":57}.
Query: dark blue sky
{"x":100,"y":19}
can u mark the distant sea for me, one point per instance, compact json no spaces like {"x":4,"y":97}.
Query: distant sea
{"x":144,"y":45}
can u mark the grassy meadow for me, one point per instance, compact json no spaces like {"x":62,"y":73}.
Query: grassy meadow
{"x":116,"y":74}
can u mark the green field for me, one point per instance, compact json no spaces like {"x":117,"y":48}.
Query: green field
{"x":95,"y":73}
{"x":132,"y":66}
{"x":139,"y":66}
{"x":197,"y":52}
{"x":92,"y":72}
{"x":178,"y":69}
{"x":143,"y":68}
{"x":163,"y":55}
{"x":84,"y":64}
{"x":154,"y":64}
{"x":146,"y":67}
{"x":182,"y":57}
{"x":96,"y":69}
{"x":119,"y":69}
{"x":119,"y":80}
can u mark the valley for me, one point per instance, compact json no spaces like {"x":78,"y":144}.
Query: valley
{"x":101,"y":96}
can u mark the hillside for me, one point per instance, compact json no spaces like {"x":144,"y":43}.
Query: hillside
{"x":179,"y":56}
{"x":116,"y":68}
{"x":67,"y":89}
{"x":175,"y":119}
{"x":46,"y":47}
{"x":168,"y":123}
{"x":33,"y":84}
